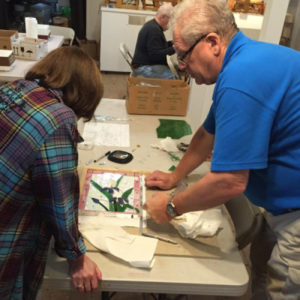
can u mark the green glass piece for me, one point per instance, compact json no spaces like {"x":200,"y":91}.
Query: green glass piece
{"x":119,"y":180}
{"x":172,"y":168}
{"x":127,"y":193}
{"x":173,"y":157}
{"x":175,"y":129}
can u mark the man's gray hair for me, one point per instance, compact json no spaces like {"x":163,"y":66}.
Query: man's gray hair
{"x":193,"y":18}
{"x":165,"y":9}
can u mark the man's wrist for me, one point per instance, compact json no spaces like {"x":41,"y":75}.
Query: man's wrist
{"x":170,"y":208}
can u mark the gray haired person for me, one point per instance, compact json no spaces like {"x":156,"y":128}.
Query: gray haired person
{"x":152,"y":48}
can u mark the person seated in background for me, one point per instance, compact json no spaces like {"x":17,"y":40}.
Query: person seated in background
{"x":39,"y":186}
{"x":152,"y":48}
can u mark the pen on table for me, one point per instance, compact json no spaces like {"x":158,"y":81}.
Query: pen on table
{"x":102,"y":156}
{"x":96,"y":160}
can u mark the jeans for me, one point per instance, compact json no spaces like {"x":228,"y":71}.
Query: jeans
{"x":154,"y":71}
{"x":275,"y":256}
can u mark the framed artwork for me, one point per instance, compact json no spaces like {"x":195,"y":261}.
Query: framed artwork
{"x":119,"y":193}
{"x":113,"y":192}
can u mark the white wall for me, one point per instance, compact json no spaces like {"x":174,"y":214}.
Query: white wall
{"x":273,"y":20}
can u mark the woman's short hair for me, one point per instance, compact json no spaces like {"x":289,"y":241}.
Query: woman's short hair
{"x":194,"y":18}
{"x":76,"y":74}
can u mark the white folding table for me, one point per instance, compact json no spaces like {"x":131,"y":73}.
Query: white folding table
{"x":225,"y":275}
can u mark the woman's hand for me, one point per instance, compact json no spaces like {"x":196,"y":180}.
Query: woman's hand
{"x":85,"y":273}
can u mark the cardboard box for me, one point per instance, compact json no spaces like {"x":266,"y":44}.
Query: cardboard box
{"x":154,"y":96}
{"x":89,"y":47}
{"x":29,"y":48}
{"x":7,"y":59}
{"x":6,"y":38}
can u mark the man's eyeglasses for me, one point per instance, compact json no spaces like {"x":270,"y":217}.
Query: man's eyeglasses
{"x":186,"y":53}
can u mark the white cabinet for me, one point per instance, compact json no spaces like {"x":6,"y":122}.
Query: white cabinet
{"x":119,"y":25}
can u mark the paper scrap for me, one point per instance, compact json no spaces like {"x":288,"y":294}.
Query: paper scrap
{"x":107,"y":134}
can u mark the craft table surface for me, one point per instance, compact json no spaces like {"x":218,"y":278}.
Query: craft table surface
{"x":21,"y":66}
{"x":225,"y":275}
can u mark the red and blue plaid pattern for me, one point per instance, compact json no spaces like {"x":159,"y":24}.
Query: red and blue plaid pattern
{"x":39,"y":188}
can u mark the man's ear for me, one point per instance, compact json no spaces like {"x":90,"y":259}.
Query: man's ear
{"x":214,"y":42}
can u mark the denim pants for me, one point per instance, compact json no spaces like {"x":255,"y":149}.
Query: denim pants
{"x":154,"y":71}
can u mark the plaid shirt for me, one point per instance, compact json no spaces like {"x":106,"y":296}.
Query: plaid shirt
{"x":39,"y":188}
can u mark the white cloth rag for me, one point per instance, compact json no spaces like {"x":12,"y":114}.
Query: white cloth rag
{"x":167,"y":144}
{"x":200,"y":223}
{"x":138,"y":251}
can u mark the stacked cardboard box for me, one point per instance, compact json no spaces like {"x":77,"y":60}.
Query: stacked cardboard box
{"x":7,"y":59}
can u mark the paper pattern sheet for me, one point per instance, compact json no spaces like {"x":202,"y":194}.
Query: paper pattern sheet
{"x":107,"y":134}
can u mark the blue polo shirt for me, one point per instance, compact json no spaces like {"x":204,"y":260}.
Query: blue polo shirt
{"x":255,"y":117}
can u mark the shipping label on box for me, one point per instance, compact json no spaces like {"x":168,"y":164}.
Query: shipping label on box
{"x":157,"y":96}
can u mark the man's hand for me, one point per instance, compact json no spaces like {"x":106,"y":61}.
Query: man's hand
{"x":156,"y":207}
{"x":162,"y":180}
{"x":85,"y":273}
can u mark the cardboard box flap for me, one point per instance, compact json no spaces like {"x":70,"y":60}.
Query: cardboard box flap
{"x":6,"y":38}
{"x":8,"y":33}
{"x":156,"y":82}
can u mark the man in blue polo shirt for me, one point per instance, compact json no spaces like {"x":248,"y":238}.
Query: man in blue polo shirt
{"x":253,"y":128}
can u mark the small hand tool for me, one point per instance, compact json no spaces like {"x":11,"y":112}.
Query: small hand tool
{"x":99,"y":158}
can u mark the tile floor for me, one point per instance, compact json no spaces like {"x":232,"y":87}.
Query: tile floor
{"x":115,"y":87}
